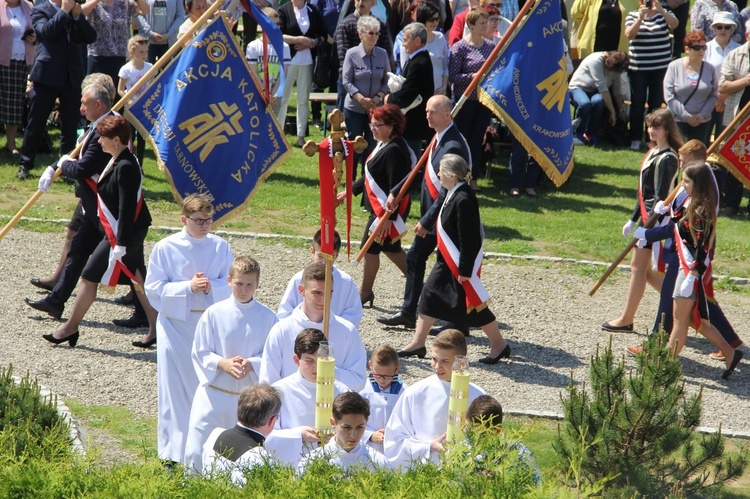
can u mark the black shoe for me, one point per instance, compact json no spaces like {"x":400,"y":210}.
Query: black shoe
{"x":126,"y":299}
{"x":40,"y":284}
{"x":132,"y":322}
{"x":437,"y":330}
{"x":145,"y":344}
{"x":23,"y":173}
{"x":399,"y":320}
{"x":505,"y":354}
{"x":418,"y":352}
{"x":72,"y":339}
{"x":628,"y":328}
{"x":369,"y":298}
{"x":736,"y":360}
{"x":44,"y":306}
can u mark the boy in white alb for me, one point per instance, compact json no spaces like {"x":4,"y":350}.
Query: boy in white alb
{"x":254,"y":56}
{"x":345,"y":300}
{"x":226,"y":354}
{"x":346,"y":449}
{"x":241,"y":448}
{"x":382,"y":390}
{"x":348,"y":350}
{"x":294,"y":434}
{"x":187,"y":273}
{"x":416,"y":429}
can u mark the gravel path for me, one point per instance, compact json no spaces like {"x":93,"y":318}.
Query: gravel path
{"x":549,"y":319}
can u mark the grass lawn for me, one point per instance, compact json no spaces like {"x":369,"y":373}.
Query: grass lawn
{"x":582,"y":219}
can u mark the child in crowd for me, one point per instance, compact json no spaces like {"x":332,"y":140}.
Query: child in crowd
{"x":294,"y":433}
{"x":187,"y":273}
{"x":129,"y":75}
{"x":382,"y":391}
{"x":346,"y":450}
{"x":349,"y":352}
{"x":345,"y":301}
{"x":486,"y":414}
{"x":226,"y":355}
{"x":254,"y":56}
{"x":417,"y":427}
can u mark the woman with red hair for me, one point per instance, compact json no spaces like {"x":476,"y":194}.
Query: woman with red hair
{"x":691,"y":89}
{"x":389,"y":163}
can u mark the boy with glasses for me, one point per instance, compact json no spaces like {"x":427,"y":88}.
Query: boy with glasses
{"x":187,"y":272}
{"x":382,"y":391}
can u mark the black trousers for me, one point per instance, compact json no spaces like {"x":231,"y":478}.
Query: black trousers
{"x":416,"y":264}
{"x":82,"y":246}
{"x":42,"y":99}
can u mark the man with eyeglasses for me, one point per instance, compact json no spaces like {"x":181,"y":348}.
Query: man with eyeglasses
{"x":187,"y":272}
{"x":734,"y":82}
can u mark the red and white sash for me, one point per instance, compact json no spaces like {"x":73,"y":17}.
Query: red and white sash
{"x":110,"y":224}
{"x":378,"y":197}
{"x":431,"y":179}
{"x":476,"y":294}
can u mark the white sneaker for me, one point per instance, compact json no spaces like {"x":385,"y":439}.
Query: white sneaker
{"x":635,"y":145}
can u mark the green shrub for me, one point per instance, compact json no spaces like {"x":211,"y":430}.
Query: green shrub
{"x":636,"y":430}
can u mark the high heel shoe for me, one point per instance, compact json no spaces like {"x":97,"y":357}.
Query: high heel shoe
{"x":505,"y":354}
{"x":369,"y":298}
{"x":145,"y":344}
{"x":419,"y":352}
{"x":71,"y":339}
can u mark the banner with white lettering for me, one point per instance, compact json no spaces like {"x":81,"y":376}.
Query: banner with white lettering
{"x":208,"y":123}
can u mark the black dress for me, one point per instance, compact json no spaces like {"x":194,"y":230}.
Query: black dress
{"x":388,"y":167}
{"x":118,"y":188}
{"x":443,"y":296}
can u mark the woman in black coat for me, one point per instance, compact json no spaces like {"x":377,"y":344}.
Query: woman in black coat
{"x":125,"y":219}
{"x":390,"y":162}
{"x":453,"y":291}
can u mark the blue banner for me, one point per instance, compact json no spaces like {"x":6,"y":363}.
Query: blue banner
{"x":527,"y":87}
{"x":274,"y":36}
{"x":208,"y":123}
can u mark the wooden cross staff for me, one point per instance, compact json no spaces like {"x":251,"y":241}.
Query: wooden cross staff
{"x":336,"y":118}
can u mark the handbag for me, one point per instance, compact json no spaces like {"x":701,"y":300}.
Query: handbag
{"x":322,"y":66}
{"x":700,"y":73}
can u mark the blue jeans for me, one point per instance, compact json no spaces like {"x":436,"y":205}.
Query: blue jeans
{"x":590,"y":108}
{"x":358,"y":124}
{"x":520,"y":161}
{"x":644,"y":84}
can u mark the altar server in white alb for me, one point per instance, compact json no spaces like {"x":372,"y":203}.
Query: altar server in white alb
{"x":227,"y":349}
{"x":345,"y":301}
{"x":416,"y":430}
{"x":187,"y":272}
{"x":241,"y":448}
{"x":348,"y":350}
{"x":294,"y":434}
{"x":382,"y":391}
{"x":346,"y":449}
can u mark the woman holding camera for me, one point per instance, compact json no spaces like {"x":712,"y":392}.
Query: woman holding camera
{"x":17,"y":39}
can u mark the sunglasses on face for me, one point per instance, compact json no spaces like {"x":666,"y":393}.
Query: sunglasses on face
{"x":723,"y":27}
{"x":434,"y":19}
{"x":698,"y":48}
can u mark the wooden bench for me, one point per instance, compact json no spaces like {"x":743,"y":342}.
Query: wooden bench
{"x":329,"y":104}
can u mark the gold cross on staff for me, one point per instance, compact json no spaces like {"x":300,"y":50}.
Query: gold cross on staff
{"x":336,"y":118}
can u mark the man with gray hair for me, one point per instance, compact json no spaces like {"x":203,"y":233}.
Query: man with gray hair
{"x":735,"y":84}
{"x":417,"y":67}
{"x":241,"y":447}
{"x":95,"y":105}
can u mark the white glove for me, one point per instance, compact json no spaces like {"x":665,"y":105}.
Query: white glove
{"x":641,"y":243}
{"x":62,"y":160}
{"x":46,"y":179}
{"x":395,"y":82}
{"x":661,"y":208}
{"x":118,"y":252}
{"x":688,"y":285}
{"x":640,"y":233}
{"x":627,"y":229}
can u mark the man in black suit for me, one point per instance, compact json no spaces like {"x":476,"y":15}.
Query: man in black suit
{"x":95,"y":104}
{"x":416,"y":82}
{"x":258,"y":409}
{"x":58,"y":71}
{"x":447,"y":140}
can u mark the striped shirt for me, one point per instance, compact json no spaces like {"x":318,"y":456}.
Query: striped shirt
{"x":651,"y":49}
